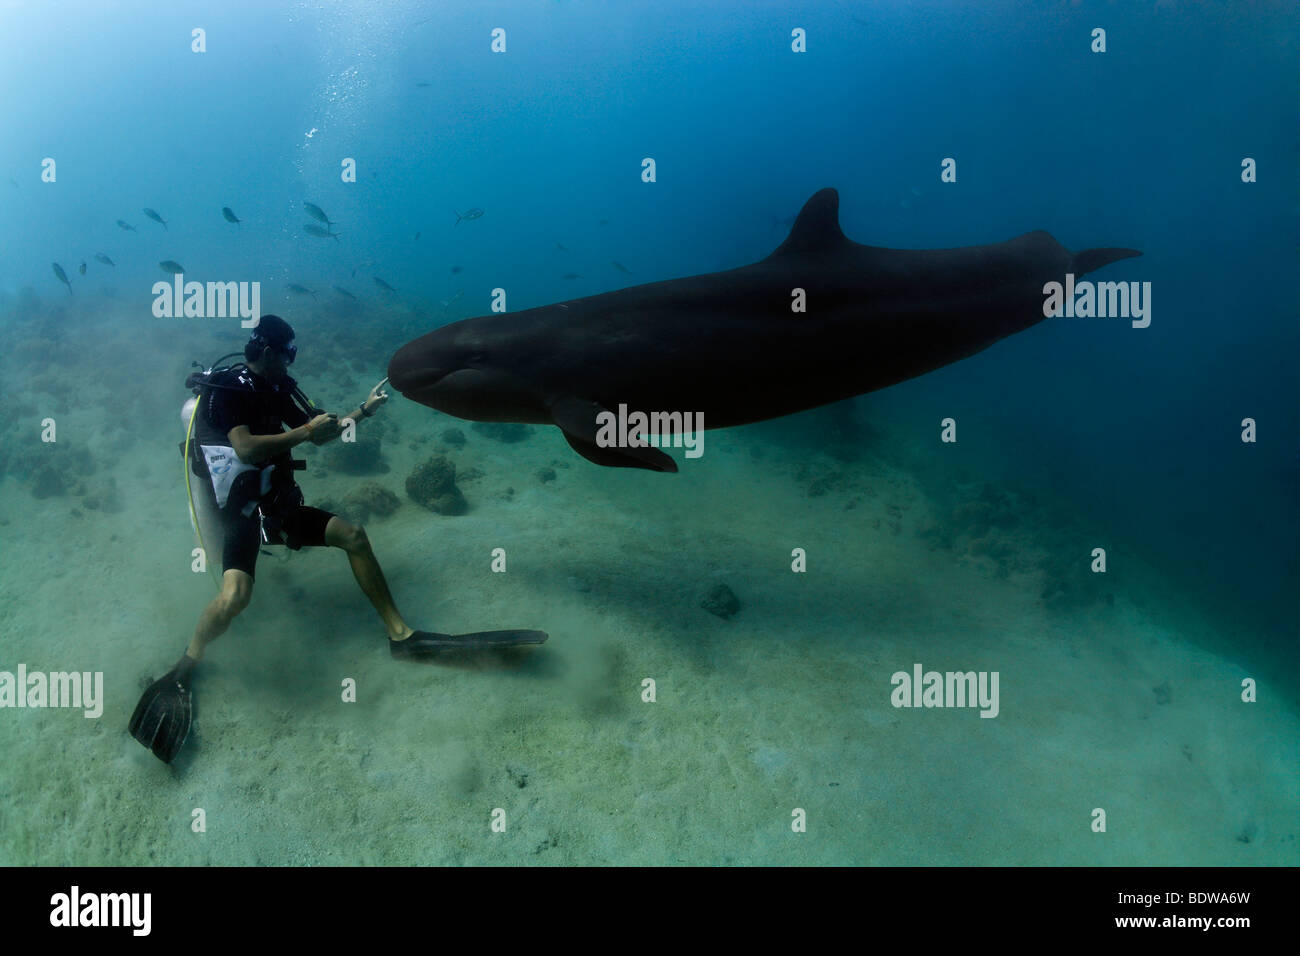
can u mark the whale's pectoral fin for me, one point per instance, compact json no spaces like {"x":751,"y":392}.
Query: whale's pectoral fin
{"x":576,"y":417}
{"x":650,"y":459}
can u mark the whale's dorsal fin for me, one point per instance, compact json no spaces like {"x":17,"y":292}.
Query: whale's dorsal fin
{"x":817,"y":227}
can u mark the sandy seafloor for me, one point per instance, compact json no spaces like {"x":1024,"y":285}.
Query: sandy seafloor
{"x":1110,"y":699}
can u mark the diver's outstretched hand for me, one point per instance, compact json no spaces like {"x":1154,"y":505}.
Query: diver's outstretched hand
{"x":377,"y":395}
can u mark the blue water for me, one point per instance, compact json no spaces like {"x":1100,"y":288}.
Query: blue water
{"x":1132,"y":434}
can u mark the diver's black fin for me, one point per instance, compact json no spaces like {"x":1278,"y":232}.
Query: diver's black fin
{"x":162,"y":718}
{"x":426,"y":642}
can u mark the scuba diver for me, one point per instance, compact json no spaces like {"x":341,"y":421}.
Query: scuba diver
{"x":237,"y":446}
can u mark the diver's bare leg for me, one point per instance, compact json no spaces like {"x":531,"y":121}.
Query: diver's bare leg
{"x":352,"y":539}
{"x":236,"y":592}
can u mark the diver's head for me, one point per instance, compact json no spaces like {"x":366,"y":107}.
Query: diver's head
{"x":271,"y":350}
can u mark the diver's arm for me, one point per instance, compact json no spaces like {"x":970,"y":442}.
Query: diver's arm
{"x":366,"y":409}
{"x":356,"y":414}
{"x":254,"y":449}
{"x":323,"y":436}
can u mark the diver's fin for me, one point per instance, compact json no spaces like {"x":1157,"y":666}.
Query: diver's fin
{"x":576,"y":417}
{"x":427,"y":642}
{"x":162,"y":718}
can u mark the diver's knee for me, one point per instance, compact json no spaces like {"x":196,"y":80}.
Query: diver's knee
{"x":234,"y":598}
{"x":230,"y":606}
{"x":341,"y":533}
{"x":354,"y":540}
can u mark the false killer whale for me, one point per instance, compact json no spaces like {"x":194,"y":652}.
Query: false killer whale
{"x":730,"y":345}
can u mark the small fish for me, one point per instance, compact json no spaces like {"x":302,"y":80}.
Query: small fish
{"x":171,"y":266}
{"x":62,"y":277}
{"x":471,"y":214}
{"x":417,"y":237}
{"x":571,"y":275}
{"x":317,"y":213}
{"x":301,"y":290}
{"x":100,"y":257}
{"x":620,"y":267}
{"x":155,"y":217}
{"x":126,"y":225}
{"x":318,"y":231}
{"x":344,"y":292}
{"x":422,"y":83}
{"x":455,"y":270}
{"x":604,"y":222}
{"x":82,"y":268}
{"x":13,"y":182}
{"x":230,"y":215}
{"x":383,"y":285}
{"x":560,"y":247}
{"x":452,"y":301}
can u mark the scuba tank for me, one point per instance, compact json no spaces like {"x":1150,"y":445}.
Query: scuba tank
{"x":205,"y":518}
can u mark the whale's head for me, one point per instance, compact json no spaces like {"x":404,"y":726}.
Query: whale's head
{"x":462,"y":369}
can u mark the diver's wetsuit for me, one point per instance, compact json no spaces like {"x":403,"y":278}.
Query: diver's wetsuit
{"x":249,"y":399}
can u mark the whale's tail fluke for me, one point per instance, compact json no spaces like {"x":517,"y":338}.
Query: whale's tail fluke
{"x":1090,"y":260}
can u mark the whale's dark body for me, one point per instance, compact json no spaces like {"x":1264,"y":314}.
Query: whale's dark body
{"x":728,"y":345}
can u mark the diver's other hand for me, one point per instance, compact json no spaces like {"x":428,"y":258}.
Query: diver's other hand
{"x":324,"y":427}
{"x":376,"y":397}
